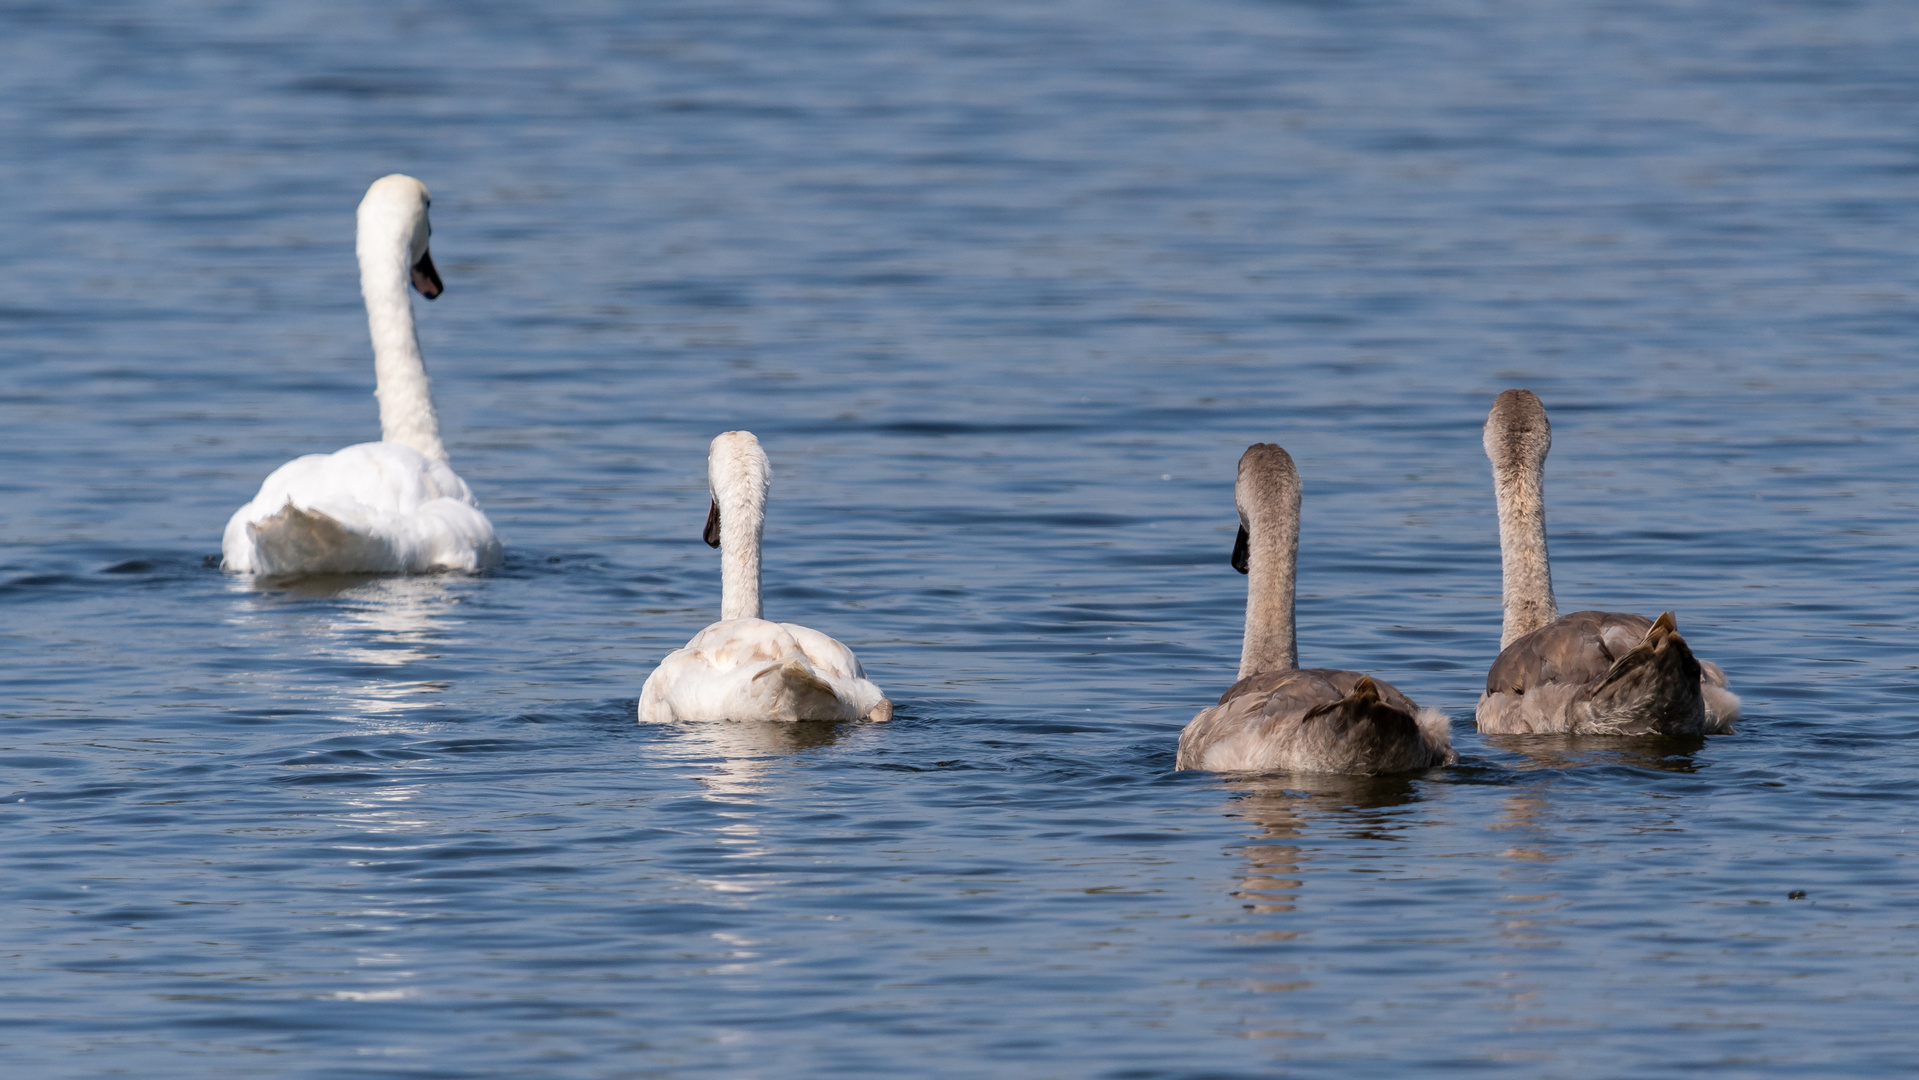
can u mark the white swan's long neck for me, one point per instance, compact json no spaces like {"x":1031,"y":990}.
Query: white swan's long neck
{"x":1517,"y":440}
{"x":1268,"y":495}
{"x":405,"y":392}
{"x":739,"y":474}
{"x":740,"y":534}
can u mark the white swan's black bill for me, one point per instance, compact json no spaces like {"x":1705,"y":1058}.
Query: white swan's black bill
{"x":1242,"y":550}
{"x":712,"y":533}
{"x":425,"y":277}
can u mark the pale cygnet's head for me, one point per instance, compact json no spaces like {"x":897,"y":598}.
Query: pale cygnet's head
{"x":393,"y":228}
{"x":1267,"y":491}
{"x":1518,"y":435}
{"x":737,"y":477}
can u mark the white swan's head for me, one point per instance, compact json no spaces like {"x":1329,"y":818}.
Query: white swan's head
{"x":394,"y":230}
{"x":1268,"y":485}
{"x":737,"y":476}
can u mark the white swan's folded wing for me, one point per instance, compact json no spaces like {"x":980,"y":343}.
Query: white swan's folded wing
{"x":752,"y":669}
{"x":825,"y":653}
{"x":829,"y":657}
{"x":370,"y":508}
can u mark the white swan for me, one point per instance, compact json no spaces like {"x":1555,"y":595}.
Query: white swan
{"x":743,"y":667}
{"x":1591,"y":672}
{"x":390,"y":507}
{"x":1280,"y":717}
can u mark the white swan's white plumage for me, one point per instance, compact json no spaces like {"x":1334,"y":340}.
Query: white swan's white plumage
{"x":372,"y":508}
{"x":752,"y":669}
{"x":391,"y":507}
{"x":744,"y":667}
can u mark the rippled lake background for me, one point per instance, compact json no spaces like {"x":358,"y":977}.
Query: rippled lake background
{"x":1005,"y":289}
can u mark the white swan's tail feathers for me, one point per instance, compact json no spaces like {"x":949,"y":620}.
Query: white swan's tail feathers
{"x":371,"y":508}
{"x":752,"y":669}
{"x":797,"y":674}
{"x":310,"y":542}
{"x":800,"y":693}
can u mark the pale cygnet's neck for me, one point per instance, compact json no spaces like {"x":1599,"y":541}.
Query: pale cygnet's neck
{"x":392,"y":237}
{"x":739,"y":474}
{"x":1267,"y":493}
{"x":1517,"y":439}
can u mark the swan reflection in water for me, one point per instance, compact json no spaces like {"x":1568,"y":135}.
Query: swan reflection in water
{"x":730,"y":761}
{"x":1534,"y":838}
{"x":362,"y":630}
{"x":353,"y":649}
{"x":1362,"y":807}
{"x":733,"y":756}
{"x":1670,"y":754}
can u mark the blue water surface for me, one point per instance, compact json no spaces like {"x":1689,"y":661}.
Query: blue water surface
{"x":1005,"y":289}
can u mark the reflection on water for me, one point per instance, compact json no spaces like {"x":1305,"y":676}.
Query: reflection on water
{"x":1529,"y":894}
{"x":1283,"y":810}
{"x":742,"y":751}
{"x":359,"y":631}
{"x":733,"y":759}
{"x":1347,"y":818}
{"x":386,"y":620}
{"x":387,"y":808}
{"x":318,"y":586}
{"x":1584,"y":751}
{"x":1526,"y":814}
